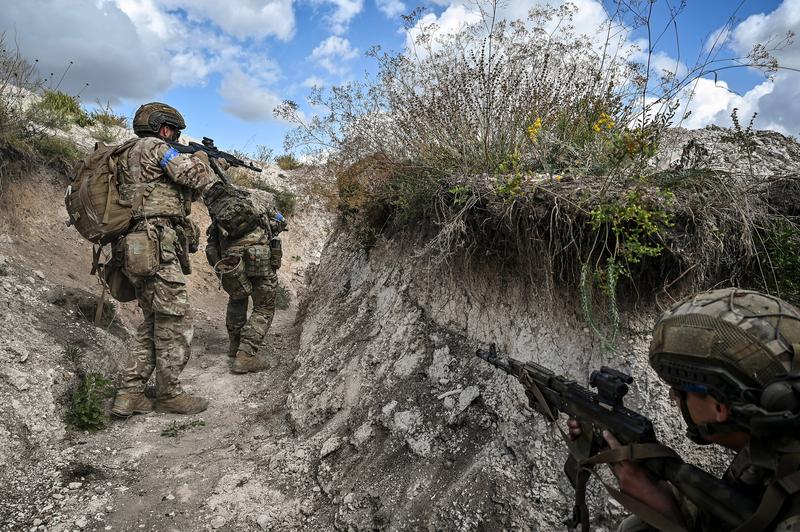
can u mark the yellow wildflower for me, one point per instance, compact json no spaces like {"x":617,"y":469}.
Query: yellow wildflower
{"x":533,"y":129}
{"x":604,"y":122}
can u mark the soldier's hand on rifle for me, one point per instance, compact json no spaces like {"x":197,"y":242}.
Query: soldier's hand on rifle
{"x":201,"y":155}
{"x":574,"y":429}
{"x":636,"y":481}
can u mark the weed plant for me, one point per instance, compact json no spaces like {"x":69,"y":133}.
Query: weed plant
{"x":86,"y":411}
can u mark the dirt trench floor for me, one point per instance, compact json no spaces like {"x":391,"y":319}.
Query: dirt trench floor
{"x":171,"y":472}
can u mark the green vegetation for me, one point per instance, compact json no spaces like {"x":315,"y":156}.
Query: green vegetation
{"x":58,"y":110}
{"x":781,"y":242}
{"x":287,"y":162}
{"x":174,"y":429}
{"x":56,"y":151}
{"x":86,"y":411}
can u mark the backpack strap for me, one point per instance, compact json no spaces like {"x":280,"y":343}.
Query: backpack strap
{"x":778,"y":492}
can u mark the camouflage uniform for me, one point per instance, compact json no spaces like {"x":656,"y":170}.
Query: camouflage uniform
{"x":260,"y":263}
{"x":729,"y":344}
{"x":247,"y":335}
{"x":741,"y":474}
{"x":161,"y":184}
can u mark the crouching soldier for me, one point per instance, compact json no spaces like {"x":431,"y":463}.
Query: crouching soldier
{"x":731,"y":358}
{"x":246,"y":261}
{"x":160,"y":185}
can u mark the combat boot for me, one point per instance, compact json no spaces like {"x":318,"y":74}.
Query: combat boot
{"x":127,"y":404}
{"x":183,"y":404}
{"x":247,"y":363}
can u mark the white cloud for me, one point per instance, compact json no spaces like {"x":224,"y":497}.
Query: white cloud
{"x":332,"y":54}
{"x":343,"y":13}
{"x":136,"y":49}
{"x":777,"y":103}
{"x":391,"y":8}
{"x":451,"y":21}
{"x":589,"y":19}
{"x":246,"y":99}
{"x":103,"y":42}
{"x":248,"y":18}
{"x":717,"y":39}
{"x":314,"y":81}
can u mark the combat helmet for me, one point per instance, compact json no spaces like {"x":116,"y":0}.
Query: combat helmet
{"x":740,"y":346}
{"x":151,"y":116}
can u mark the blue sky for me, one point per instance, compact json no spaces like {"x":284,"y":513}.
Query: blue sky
{"x":226,"y":65}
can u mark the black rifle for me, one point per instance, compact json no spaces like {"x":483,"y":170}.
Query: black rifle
{"x":213,"y":153}
{"x":550,"y":394}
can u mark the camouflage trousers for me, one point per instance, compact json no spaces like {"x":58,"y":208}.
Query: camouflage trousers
{"x":247,"y":334}
{"x":163,"y":340}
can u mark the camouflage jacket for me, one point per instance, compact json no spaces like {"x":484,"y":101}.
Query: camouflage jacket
{"x":751,"y":478}
{"x":158,"y":181}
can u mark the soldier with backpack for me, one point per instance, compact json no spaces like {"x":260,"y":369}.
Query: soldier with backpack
{"x":245,"y":252}
{"x":137,"y":197}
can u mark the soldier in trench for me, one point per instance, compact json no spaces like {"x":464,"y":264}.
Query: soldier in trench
{"x":161,"y":184}
{"x":248,"y":267}
{"x":750,"y":344}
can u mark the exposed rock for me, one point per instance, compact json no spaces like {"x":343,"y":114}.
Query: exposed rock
{"x":467,"y":396}
{"x":362,"y":435}
{"x":406,"y":420}
{"x":331,"y":445}
{"x":439,"y":369}
{"x":264,"y":521}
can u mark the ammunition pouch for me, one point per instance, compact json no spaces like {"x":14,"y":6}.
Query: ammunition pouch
{"x":118,"y":284}
{"x":275,"y":253}
{"x":140,"y":254}
{"x":258,"y":261}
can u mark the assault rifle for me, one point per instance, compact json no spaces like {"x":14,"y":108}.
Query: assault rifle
{"x":551,"y":394}
{"x":213,"y":153}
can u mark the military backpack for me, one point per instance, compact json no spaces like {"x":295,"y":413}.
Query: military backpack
{"x":92,"y":198}
{"x":233,"y":209}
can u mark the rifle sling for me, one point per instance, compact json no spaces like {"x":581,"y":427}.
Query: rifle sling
{"x":633,"y":452}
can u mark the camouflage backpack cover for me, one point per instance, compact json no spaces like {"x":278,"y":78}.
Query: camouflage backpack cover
{"x":233,"y":209}
{"x":92,"y":198}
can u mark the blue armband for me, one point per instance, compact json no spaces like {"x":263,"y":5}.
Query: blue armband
{"x":279,"y":217}
{"x":171,"y":154}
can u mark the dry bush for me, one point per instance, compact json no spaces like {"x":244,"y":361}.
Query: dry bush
{"x":526,"y":142}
